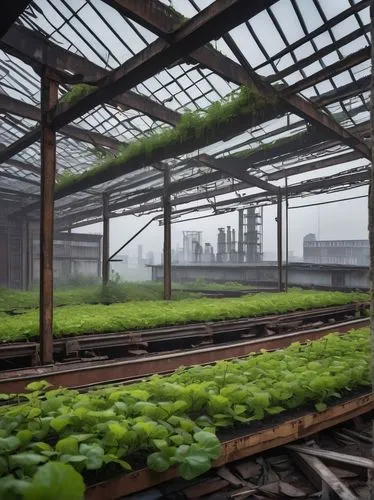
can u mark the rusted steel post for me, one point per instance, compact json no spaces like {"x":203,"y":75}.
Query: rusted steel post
{"x":371,"y":235}
{"x":167,"y":235}
{"x":106,"y":263}
{"x":287,"y":236}
{"x":279,"y":241}
{"x":49,"y":95}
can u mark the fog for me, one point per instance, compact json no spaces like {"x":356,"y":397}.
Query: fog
{"x":342,"y":220}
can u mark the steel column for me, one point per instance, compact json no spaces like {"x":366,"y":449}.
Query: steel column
{"x":240,"y":235}
{"x":286,"y":227}
{"x":279,"y":240}
{"x":167,"y":235}
{"x":49,"y":95}
{"x":106,"y":263}
{"x":371,"y":233}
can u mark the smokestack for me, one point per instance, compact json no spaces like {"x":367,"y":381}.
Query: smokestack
{"x":240,"y":236}
{"x":228,"y":243}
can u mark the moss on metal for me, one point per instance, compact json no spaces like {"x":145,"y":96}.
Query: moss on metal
{"x":77,"y":92}
{"x":192,"y":125}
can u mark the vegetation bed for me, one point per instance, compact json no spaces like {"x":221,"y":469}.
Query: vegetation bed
{"x":16,"y":300}
{"x":86,"y":319}
{"x":52,"y":437}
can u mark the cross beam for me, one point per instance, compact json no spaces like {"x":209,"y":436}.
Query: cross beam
{"x":210,"y":23}
{"x":15,"y":107}
{"x":32,"y":49}
{"x":236,"y":167}
{"x":301,"y":106}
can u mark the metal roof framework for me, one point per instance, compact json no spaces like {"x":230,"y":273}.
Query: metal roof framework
{"x":151,"y":61}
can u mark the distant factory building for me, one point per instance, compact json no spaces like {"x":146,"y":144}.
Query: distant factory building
{"x":346,"y":252}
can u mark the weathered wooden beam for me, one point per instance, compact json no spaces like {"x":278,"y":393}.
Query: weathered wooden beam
{"x":347,"y":91}
{"x":49,"y":94}
{"x":313,"y":467}
{"x":333,"y":455}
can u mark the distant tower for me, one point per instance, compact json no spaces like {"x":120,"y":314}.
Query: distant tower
{"x":140,"y":255}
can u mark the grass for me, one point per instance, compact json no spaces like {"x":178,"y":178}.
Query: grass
{"x":86,"y":319}
{"x":191,"y":126}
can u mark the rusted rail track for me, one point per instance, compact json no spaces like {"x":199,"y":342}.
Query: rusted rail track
{"x":179,"y":336}
{"x":243,"y":445}
{"x":83,"y":374}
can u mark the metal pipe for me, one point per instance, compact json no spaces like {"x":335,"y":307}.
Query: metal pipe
{"x":49,"y":96}
{"x":167,"y":235}
{"x":279,"y":240}
{"x":106,"y":263}
{"x":132,"y":238}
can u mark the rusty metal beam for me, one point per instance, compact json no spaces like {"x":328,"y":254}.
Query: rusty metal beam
{"x":14,"y":106}
{"x":319,"y":54}
{"x":279,"y":221}
{"x":10,"y":11}
{"x":345,"y":92}
{"x":162,"y":21}
{"x":236,"y":167}
{"x":28,"y":46}
{"x":331,"y":70}
{"x":105,"y":252}
{"x":49,"y":94}
{"x":301,"y":106}
{"x":210,"y":23}
{"x":167,"y":235}
{"x":315,"y":165}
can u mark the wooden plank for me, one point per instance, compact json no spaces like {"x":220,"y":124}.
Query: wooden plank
{"x":333,"y":455}
{"x":240,"y":447}
{"x":327,"y":477}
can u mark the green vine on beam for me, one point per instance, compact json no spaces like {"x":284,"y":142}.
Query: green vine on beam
{"x":192,"y":125}
{"x":77,"y":92}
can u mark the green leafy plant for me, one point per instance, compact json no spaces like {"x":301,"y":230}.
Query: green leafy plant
{"x":192,"y":125}
{"x":52,"y":437}
{"x":82,"y":319}
{"x":77,"y":92}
